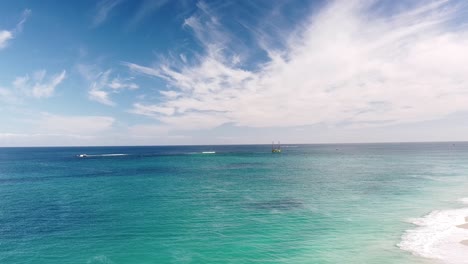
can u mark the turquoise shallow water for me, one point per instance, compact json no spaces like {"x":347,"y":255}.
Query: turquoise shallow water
{"x":311,"y":204}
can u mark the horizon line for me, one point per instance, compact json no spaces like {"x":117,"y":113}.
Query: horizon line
{"x":245,"y":144}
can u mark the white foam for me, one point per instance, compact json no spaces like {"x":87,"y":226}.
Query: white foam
{"x":463,"y":200}
{"x":438,"y":237}
{"x":107,"y":155}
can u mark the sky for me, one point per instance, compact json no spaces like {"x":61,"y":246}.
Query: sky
{"x":160,"y":72}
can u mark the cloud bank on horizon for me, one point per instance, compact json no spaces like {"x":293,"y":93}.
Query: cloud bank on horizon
{"x":351,"y":65}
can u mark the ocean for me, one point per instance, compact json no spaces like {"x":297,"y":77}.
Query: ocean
{"x":327,"y":203}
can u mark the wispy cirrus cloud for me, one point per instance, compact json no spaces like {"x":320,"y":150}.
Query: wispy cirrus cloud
{"x":104,"y":83}
{"x":146,"y":8}
{"x":38,"y":85}
{"x":100,"y":96}
{"x":7,"y":35}
{"x":24,"y":17}
{"x":103,"y":9}
{"x":347,"y":64}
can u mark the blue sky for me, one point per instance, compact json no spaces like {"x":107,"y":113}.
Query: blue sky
{"x":121,"y":72}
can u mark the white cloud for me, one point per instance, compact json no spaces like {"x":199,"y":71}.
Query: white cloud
{"x":102,"y":84}
{"x":119,"y":83}
{"x":38,"y":85}
{"x":7,"y":35}
{"x":151,"y":110}
{"x":347,"y":64}
{"x":170,"y":94}
{"x":195,"y":120}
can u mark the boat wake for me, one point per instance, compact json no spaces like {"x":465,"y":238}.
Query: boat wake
{"x":438,"y":235}
{"x":100,"y":155}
